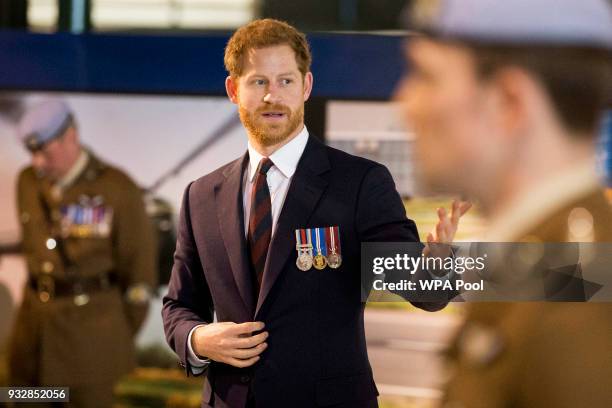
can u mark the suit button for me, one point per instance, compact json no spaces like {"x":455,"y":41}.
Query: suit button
{"x":245,"y":379}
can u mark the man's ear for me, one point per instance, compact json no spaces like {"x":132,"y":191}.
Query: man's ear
{"x":514,"y":91}
{"x":231,"y":87}
{"x":71,"y":135}
{"x":308,"y":83}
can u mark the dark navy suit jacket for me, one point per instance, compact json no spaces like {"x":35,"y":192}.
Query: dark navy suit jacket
{"x":316,"y":354}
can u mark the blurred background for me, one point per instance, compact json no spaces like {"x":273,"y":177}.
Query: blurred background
{"x":145,"y":80}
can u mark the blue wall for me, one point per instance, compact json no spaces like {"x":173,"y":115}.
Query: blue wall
{"x":345,"y":66}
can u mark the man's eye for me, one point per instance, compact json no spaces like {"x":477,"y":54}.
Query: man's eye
{"x":259,"y":82}
{"x":286,"y":81}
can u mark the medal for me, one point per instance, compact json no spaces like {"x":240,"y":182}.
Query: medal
{"x":318,"y":247}
{"x":104,"y":220}
{"x":86,"y":221}
{"x":319,"y":262}
{"x":304,"y":262}
{"x":334,"y":259}
{"x":304,"y":250}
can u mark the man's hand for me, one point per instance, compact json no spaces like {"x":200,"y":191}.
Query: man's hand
{"x":230,"y":343}
{"x":445,"y":229}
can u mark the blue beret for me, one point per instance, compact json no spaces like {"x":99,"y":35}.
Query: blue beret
{"x":517,"y":22}
{"x":43,"y":122}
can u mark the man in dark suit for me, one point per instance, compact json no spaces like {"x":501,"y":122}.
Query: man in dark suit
{"x":287,"y":334}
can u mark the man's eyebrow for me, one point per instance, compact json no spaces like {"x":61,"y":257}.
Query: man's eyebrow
{"x":258,"y":76}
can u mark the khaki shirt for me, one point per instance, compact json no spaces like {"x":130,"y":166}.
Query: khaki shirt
{"x":537,"y":354}
{"x":100,"y":219}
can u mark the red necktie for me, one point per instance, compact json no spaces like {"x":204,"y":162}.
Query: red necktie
{"x":260,"y":220}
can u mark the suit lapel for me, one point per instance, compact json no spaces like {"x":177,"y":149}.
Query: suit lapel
{"x":229,"y":205}
{"x":307,"y":186}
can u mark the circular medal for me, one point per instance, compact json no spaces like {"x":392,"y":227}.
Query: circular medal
{"x":304,"y":261}
{"x":319,"y":261}
{"x":334,"y":260}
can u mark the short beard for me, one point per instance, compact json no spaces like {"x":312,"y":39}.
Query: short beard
{"x":266,"y":135}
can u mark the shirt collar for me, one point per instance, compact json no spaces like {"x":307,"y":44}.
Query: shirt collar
{"x":285,"y":159}
{"x":531,"y":207}
{"x":75,"y":171}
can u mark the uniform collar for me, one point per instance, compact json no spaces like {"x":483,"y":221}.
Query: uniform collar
{"x":75,"y":171}
{"x":535,"y":205}
{"x":285,"y":159}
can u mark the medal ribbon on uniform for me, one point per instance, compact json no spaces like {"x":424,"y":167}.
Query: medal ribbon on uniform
{"x":86,"y":221}
{"x":322,"y":241}
{"x":304,"y":249}
{"x":318,"y":247}
{"x":309,"y":240}
{"x":334,"y":257}
{"x":319,"y":261}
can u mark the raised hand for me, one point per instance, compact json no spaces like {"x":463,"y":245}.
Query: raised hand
{"x":446,"y":227}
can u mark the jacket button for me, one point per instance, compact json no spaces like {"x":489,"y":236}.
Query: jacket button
{"x":245,"y":379}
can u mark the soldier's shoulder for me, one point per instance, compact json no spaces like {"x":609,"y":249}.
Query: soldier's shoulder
{"x":113,"y":174}
{"x":26,"y":174}
{"x":26,"y":187}
{"x":582,"y":220}
{"x":598,"y":211}
{"x":587,"y":219}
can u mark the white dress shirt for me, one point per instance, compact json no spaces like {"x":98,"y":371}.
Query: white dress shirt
{"x":279,"y":178}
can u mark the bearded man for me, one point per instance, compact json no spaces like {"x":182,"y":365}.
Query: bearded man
{"x":271,"y":244}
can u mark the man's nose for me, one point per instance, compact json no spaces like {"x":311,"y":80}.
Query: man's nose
{"x":273,"y":95}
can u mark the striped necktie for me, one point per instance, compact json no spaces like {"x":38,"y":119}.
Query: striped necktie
{"x":260,"y":220}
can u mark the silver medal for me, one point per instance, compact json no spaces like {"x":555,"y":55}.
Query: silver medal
{"x":334,"y":260}
{"x":304,"y":261}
